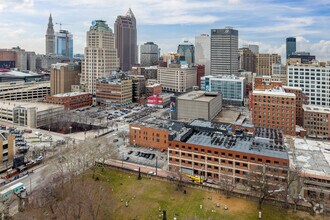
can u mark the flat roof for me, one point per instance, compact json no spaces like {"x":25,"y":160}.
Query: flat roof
{"x":199,"y":95}
{"x":40,"y":106}
{"x":276,"y":91}
{"x":16,"y":73}
{"x":292,"y":87}
{"x":227,"y":77}
{"x":252,"y":145}
{"x":313,"y":156}
{"x":70,"y":94}
{"x":316,"y":109}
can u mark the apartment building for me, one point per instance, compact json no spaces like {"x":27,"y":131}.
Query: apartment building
{"x":177,"y":79}
{"x":274,"y":108}
{"x":264,"y":63}
{"x":316,"y":120}
{"x":114,"y":91}
{"x":313,"y":79}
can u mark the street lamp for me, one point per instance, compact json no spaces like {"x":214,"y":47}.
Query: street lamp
{"x":70,"y":132}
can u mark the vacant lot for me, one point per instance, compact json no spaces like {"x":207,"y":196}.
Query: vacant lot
{"x":147,"y":196}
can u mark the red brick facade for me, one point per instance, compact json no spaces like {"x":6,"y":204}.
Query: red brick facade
{"x":71,"y":101}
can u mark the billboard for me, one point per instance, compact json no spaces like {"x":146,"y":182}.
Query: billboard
{"x":7,"y":64}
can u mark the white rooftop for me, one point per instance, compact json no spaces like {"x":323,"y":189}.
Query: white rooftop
{"x":316,"y":108}
{"x":70,"y":94}
{"x":313,"y":156}
{"x":276,"y":91}
{"x":40,"y":106}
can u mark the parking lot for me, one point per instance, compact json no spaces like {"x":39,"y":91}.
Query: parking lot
{"x":111,"y":115}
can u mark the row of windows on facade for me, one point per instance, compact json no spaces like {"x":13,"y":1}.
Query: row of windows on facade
{"x":224,"y":161}
{"x":229,"y":170}
{"x":224,"y":154}
{"x":307,"y":70}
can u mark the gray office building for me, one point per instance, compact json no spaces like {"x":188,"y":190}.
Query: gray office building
{"x":149,"y":54}
{"x":290,"y":46}
{"x":187,"y":50}
{"x":126,"y":40}
{"x":224,"y":51}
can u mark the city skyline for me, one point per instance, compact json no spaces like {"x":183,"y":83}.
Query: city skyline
{"x":169,"y":23}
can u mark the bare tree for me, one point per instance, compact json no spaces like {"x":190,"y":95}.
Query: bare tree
{"x":166,"y":114}
{"x":292,"y":187}
{"x":263,"y":185}
{"x":227,"y":184}
{"x":124,"y":135}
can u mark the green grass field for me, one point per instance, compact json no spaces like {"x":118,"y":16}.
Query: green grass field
{"x":145,"y":197}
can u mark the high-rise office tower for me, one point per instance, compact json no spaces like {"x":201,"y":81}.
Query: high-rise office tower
{"x":64,"y":44}
{"x":247,"y":60}
{"x":224,"y":51}
{"x":50,"y":37}
{"x":264,"y":62}
{"x":126,"y":40}
{"x":254,"y":48}
{"x":187,"y":50}
{"x":290,"y":46}
{"x":100,"y":55}
{"x":149,"y":54}
{"x":202,"y":51}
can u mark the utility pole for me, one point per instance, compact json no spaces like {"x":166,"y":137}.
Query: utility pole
{"x":156,"y":164}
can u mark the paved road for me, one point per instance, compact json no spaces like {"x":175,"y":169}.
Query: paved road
{"x":43,"y":173}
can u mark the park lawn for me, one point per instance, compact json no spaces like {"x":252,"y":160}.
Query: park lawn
{"x":145,"y":197}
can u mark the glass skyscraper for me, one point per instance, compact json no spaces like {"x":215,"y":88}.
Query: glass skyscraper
{"x":187,"y":50}
{"x":64,"y":44}
{"x":231,"y":87}
{"x":290,"y":46}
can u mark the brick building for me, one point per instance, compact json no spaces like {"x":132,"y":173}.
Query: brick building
{"x":200,"y":74}
{"x":71,"y":100}
{"x":316,"y":120}
{"x":153,"y":89}
{"x":114,"y":91}
{"x":207,"y":149}
{"x":264,"y":63}
{"x":63,"y":76}
{"x":274,"y":108}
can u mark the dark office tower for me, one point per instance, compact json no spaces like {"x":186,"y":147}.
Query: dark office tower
{"x":50,"y":37}
{"x":224,"y":51}
{"x":290,"y":46}
{"x":187,"y":50}
{"x":149,"y":54}
{"x":126,"y":40}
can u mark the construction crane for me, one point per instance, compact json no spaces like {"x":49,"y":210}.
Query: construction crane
{"x":60,"y":23}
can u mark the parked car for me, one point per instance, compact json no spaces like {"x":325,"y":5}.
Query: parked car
{"x":127,"y":158}
{"x":138,"y":153}
{"x":152,"y":156}
{"x":130,"y":152}
{"x":115,"y":140}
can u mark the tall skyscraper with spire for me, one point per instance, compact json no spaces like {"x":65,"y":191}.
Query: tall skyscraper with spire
{"x":50,"y":37}
{"x":126,"y":40}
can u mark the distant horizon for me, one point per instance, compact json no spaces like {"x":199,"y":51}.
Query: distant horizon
{"x":168,"y":23}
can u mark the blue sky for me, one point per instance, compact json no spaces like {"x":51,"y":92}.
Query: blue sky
{"x":168,"y":22}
